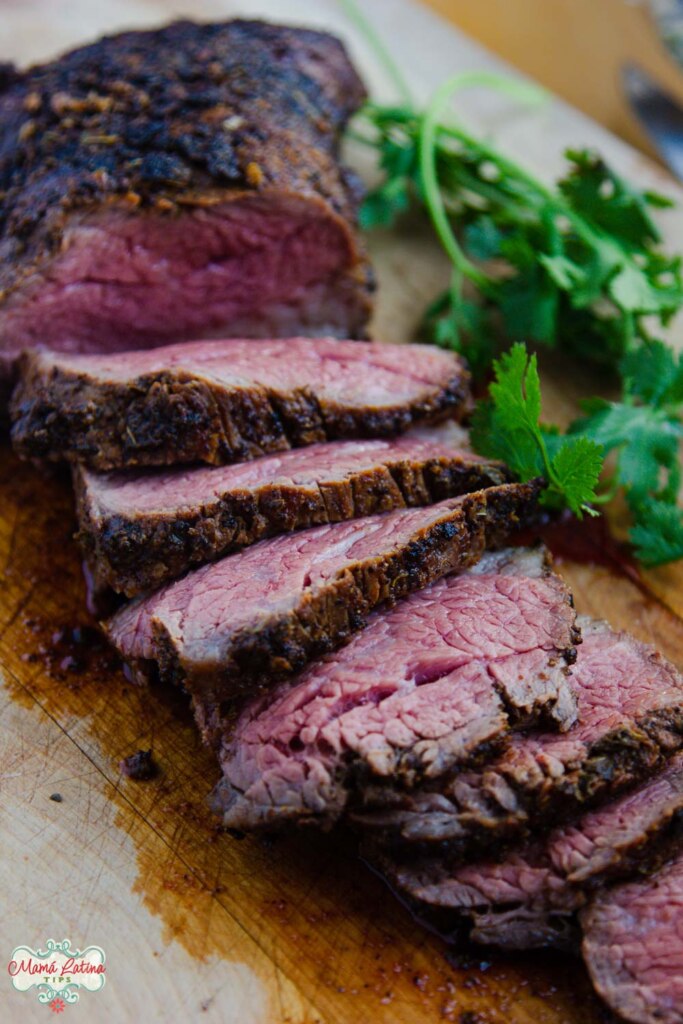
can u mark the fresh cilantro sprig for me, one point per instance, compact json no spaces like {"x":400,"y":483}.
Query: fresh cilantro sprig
{"x":577,"y":266}
{"x":507,"y":426}
{"x":645,"y":429}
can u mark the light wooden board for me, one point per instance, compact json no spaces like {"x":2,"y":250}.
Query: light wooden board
{"x":198,"y":926}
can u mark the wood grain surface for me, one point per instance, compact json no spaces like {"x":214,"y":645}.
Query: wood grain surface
{"x":196,"y":925}
{"x":577,"y":48}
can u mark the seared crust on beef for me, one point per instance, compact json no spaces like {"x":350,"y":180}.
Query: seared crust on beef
{"x":630,"y":722}
{"x":530,"y":898}
{"x":141,"y":529}
{"x":227,"y":401}
{"x":184,"y":116}
{"x":213,"y":631}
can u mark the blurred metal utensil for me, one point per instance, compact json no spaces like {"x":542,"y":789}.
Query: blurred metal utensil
{"x":668,"y":17}
{"x":659,"y":113}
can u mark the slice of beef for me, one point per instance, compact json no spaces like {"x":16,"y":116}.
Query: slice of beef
{"x":227,"y":401}
{"x":172,"y":184}
{"x":232,"y":625}
{"x":633,"y":946}
{"x":433,"y":684}
{"x":531,"y":898}
{"x":630,"y":722}
{"x":142,"y":528}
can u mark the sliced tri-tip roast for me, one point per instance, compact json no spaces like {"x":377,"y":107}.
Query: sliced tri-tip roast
{"x":633,"y":946}
{"x":531,"y":898}
{"x":434,"y":684}
{"x":172,"y":184}
{"x":227,"y":401}
{"x":233,"y":625}
{"x":630,"y":703}
{"x":142,"y":528}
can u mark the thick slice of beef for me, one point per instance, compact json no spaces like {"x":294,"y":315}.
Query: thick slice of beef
{"x":227,"y":401}
{"x":178,"y":183}
{"x":142,"y":528}
{"x":433,"y":684}
{"x":633,"y":946}
{"x":630,"y":722}
{"x":531,"y":898}
{"x":232,"y":625}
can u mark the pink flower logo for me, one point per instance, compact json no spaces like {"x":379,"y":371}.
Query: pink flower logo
{"x":57,"y":1005}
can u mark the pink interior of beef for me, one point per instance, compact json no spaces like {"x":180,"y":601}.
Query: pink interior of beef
{"x":422,"y":677}
{"x":617,"y":680}
{"x":133,"y":280}
{"x":208,"y":606}
{"x":633,"y":946}
{"x":169,"y":491}
{"x":591,"y":845}
{"x":348,"y":373}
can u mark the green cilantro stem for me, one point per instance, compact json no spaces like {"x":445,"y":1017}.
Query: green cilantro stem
{"x":365,"y":27}
{"x":429,"y":127}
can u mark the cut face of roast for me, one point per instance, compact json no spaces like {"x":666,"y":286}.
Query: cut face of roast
{"x":172,"y":184}
{"x":227,"y":401}
{"x":429,"y":686}
{"x":630,"y":722}
{"x":234,"y":624}
{"x":530,"y":898}
{"x":142,"y":528}
{"x":633,"y":946}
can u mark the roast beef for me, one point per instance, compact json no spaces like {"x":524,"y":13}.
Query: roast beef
{"x":234,"y":624}
{"x":142,"y":528}
{"x":531,"y":898}
{"x":633,"y":947}
{"x":227,"y":401}
{"x":429,"y":686}
{"x":630,"y":722}
{"x":164,"y":185}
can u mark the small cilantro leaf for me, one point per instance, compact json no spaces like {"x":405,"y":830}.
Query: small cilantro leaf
{"x":507,"y":427}
{"x":647,"y":439}
{"x":565,"y":273}
{"x":607,"y":201}
{"x":459,"y":324}
{"x":657,"y":535}
{"x":516,"y":391}
{"x":653,"y":373}
{"x":576,"y":470}
{"x":634,"y":292}
{"x":483,"y":239}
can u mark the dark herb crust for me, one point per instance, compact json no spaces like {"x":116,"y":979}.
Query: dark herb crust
{"x":173,"y":417}
{"x":139,"y":552}
{"x":512,"y":803}
{"x":188,"y":115}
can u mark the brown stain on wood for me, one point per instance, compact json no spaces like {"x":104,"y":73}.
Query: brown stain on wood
{"x":328,"y":924}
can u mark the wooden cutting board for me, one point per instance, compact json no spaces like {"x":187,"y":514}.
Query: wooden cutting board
{"x":197,"y":926}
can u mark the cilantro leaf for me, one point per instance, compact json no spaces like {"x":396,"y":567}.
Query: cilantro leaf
{"x":648,"y":441}
{"x":507,"y":426}
{"x":483,"y":238}
{"x":460,"y":324}
{"x":653,"y":373}
{"x":608,"y":201}
{"x":576,"y":470}
{"x":657,"y":535}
